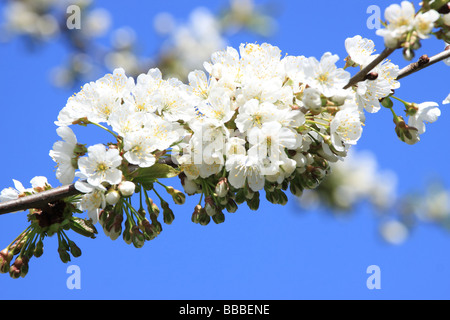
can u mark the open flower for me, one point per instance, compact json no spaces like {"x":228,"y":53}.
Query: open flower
{"x":93,"y":199}
{"x":346,"y":128}
{"x":101,"y":165}
{"x":427,"y":112}
{"x":359,"y":49}
{"x":400,"y":20}
{"x":245,"y":169}
{"x":325,"y":76}
{"x":63,"y":153}
{"x":424,"y":22}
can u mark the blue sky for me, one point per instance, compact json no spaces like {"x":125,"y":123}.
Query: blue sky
{"x":274,"y":253}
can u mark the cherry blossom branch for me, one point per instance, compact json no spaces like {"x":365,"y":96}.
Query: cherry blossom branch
{"x":361,"y":75}
{"x":424,"y":62}
{"x":38,"y":200}
{"x":41,"y":199}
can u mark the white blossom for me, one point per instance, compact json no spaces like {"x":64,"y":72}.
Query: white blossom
{"x":428,"y":112}
{"x":101,"y":165}
{"x":63,"y":153}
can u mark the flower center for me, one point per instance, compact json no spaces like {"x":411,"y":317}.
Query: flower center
{"x":102,"y":167}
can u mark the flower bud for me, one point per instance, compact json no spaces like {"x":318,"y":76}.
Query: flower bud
{"x":204,"y":218}
{"x":152,"y":207}
{"x":219,"y":217}
{"x":296,"y":189}
{"x":74,"y":249}
{"x":168,"y":215}
{"x":137,"y":237}
{"x":178,"y":197}
{"x":112,"y":197}
{"x":127,"y":188}
{"x":39,"y":249}
{"x":222,"y":188}
{"x":63,"y":255}
{"x":240,"y":196}
{"x":282,"y":198}
{"x":196,"y":215}
{"x":14,"y":272}
{"x":231,"y":206}
{"x":126,"y":235}
{"x":210,"y":206}
{"x":253,"y":203}
{"x":189,"y":186}
{"x":408,"y":54}
{"x":405,"y":133}
{"x":115,"y":231}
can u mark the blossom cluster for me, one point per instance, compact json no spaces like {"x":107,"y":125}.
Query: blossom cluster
{"x":254,"y":121}
{"x":405,"y":27}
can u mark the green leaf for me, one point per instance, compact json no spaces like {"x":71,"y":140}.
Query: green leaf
{"x":83,"y":227}
{"x":155,"y":172}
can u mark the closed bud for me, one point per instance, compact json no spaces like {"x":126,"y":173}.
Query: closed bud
{"x":253,"y":203}
{"x":112,"y":197}
{"x":240,"y":196}
{"x":152,"y":207}
{"x":210,"y":206}
{"x":204,"y":217}
{"x":296,"y":189}
{"x":270,"y":196}
{"x":222,"y":188}
{"x":141,"y":212}
{"x":138,"y":238}
{"x":178,"y":197}
{"x":219,"y":217}
{"x":127,"y":188}
{"x":115,"y":231}
{"x":74,"y":249}
{"x":63,"y":255}
{"x":248,"y":193}
{"x":14,"y":272}
{"x":126,"y":235}
{"x":231,"y":206}
{"x":168,"y":215}
{"x":24,"y":270}
{"x":196,"y":214}
{"x":408,"y":54}
{"x":282,"y":198}
{"x":405,"y":133}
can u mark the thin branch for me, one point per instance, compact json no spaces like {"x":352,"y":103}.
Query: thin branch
{"x":361,"y":75}
{"x":423,"y":63}
{"x":38,"y":200}
{"x":41,"y":199}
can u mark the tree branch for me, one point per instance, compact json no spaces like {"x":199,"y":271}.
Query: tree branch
{"x":361,"y":75}
{"x":423,"y":63}
{"x":41,"y":199}
{"x":38,"y":200}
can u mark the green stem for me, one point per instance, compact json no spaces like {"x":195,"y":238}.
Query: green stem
{"x":104,"y":128}
{"x":402,"y":101}
{"x":396,"y":118}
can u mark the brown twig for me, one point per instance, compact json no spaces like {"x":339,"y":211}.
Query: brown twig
{"x":423,"y":63}
{"x":41,"y":199}
{"x":361,"y":75}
